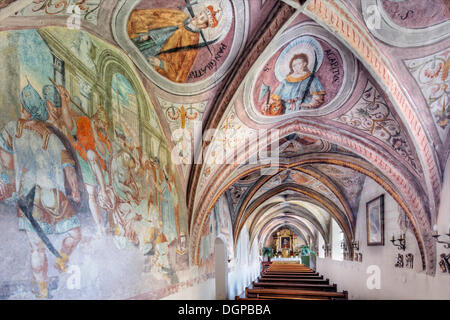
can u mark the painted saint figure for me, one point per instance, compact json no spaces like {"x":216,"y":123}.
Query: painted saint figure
{"x":43,"y":167}
{"x":285,"y":244}
{"x":92,"y":146}
{"x":170,"y":38}
{"x":299,"y":90}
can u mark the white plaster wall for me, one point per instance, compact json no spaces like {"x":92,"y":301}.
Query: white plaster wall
{"x":336,"y":239}
{"x":246,"y":268}
{"x":320,"y":251}
{"x":395,"y":283}
{"x":203,"y":291}
{"x":242,"y":272}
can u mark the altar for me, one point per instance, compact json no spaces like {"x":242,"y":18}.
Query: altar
{"x":290,"y":260}
{"x":285,"y":242}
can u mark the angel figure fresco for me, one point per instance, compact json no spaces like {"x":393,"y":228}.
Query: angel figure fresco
{"x":170,"y":38}
{"x":299,"y":88}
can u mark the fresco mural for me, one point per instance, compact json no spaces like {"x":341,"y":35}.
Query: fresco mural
{"x":432,"y":75}
{"x":77,"y":181}
{"x":307,"y":73}
{"x":225,"y":226}
{"x":295,"y":78}
{"x":182,"y":44}
{"x":218,"y":225}
{"x":5,"y":3}
{"x":296,"y":144}
{"x":171,"y":38}
{"x":86,"y":11}
{"x":302,"y":179}
{"x":349,"y":182}
{"x":182,"y":119}
{"x":372,"y":115}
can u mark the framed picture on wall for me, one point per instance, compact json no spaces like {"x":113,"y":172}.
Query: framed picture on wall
{"x":375,"y":221}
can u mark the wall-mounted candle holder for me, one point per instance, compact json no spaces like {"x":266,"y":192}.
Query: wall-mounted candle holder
{"x":400,"y":242}
{"x":327,"y":249}
{"x":444,"y":264}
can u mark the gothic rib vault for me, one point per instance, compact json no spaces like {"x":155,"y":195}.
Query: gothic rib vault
{"x":381,"y":113}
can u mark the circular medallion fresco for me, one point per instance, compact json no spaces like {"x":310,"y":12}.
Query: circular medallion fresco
{"x":184,"y":47}
{"x":309,"y":74}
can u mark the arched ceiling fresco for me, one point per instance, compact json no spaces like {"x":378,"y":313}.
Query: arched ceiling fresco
{"x":349,"y":90}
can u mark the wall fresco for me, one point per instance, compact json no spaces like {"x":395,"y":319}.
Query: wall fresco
{"x":86,"y":182}
{"x":218,"y":225}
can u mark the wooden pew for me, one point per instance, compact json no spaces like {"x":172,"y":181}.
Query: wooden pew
{"x":286,"y":298}
{"x":290,"y":270}
{"x":272,"y":269}
{"x":292,"y":281}
{"x":288,"y":266}
{"x":291,"y":285}
{"x":288,"y":276}
{"x":313,"y":281}
{"x":291,"y":273}
{"x":294,"y":293}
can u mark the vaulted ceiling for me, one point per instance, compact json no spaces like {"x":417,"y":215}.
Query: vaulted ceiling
{"x":382,"y":71}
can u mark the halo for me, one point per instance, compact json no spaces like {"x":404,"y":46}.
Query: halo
{"x":305,"y":44}
{"x":225,"y":18}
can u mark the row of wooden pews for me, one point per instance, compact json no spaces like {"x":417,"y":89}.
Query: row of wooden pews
{"x":294,"y":282}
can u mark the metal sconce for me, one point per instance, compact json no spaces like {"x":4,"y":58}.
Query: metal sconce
{"x":401,"y":242}
{"x":355,"y":245}
{"x":444,"y":264}
{"x":346,"y":250}
{"x":436,"y":236}
{"x":344,"y":246}
{"x":327,"y":249}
